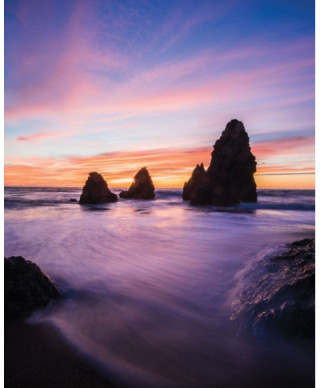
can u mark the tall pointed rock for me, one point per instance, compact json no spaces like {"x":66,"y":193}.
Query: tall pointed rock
{"x":229,"y":178}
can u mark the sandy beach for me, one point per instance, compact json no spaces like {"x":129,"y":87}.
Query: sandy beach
{"x":38,"y":356}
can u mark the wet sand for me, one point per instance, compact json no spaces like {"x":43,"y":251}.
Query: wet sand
{"x":38,"y":356}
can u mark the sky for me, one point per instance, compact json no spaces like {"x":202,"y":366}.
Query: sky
{"x":113,"y":86}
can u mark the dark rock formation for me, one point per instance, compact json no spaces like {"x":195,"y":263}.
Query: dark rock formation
{"x":281,"y":294}
{"x":96,"y":191}
{"x":26,"y":287}
{"x":141,"y":188}
{"x":229,"y":178}
{"x":72,"y":200}
{"x":198,"y":188}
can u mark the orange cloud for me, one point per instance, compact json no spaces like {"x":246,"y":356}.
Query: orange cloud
{"x":168,"y":167}
{"x":286,"y":181}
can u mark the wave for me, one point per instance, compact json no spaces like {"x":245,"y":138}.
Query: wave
{"x":297,"y":200}
{"x":278,"y":206}
{"x":164,"y":194}
{"x":285,"y":193}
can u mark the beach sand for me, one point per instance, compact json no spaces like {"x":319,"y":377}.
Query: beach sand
{"x":38,"y":356}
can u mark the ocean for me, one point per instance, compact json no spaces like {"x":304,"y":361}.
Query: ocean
{"x":149,"y":285}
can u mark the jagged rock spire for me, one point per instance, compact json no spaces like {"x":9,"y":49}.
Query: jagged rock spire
{"x":229,"y":178}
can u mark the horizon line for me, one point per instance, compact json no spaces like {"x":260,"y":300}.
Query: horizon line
{"x":125,"y":188}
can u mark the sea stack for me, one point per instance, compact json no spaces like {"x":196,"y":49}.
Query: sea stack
{"x":229,"y":178}
{"x":96,"y":191}
{"x":26,"y":288}
{"x":141,"y":188}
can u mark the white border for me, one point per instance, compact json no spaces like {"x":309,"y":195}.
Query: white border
{"x":317,"y":181}
{"x":2,"y":189}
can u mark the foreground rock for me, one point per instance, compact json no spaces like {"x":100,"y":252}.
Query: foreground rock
{"x":96,"y":191}
{"x":229,"y":178}
{"x":281,"y":294}
{"x":26,"y":288}
{"x":141,"y":188}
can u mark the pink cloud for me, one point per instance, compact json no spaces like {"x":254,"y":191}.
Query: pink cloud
{"x":37,"y":136}
{"x":60,"y":75}
{"x":71,"y":86}
{"x":289,"y":146}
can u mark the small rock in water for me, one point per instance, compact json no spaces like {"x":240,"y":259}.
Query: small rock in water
{"x":72,"y":200}
{"x":96,"y":191}
{"x":229,"y":178}
{"x":141,"y":188}
{"x":26,"y":288}
{"x":281,"y":294}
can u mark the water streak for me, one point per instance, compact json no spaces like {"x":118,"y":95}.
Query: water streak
{"x":149,"y":285}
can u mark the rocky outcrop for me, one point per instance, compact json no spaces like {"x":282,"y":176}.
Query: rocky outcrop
{"x":141,"y":188}
{"x":26,"y":288}
{"x":280,"y":296}
{"x":197,"y":189}
{"x":96,"y":191}
{"x":229,"y":178}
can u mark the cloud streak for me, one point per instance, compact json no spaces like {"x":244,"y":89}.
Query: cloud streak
{"x":168,"y":167}
{"x":37,"y":136}
{"x":108,"y":77}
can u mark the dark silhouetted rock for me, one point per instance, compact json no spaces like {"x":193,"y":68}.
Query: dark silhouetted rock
{"x":197,"y":189}
{"x":72,"y":200}
{"x":281,"y":294}
{"x":96,"y":191}
{"x":229,"y":178}
{"x":26,"y":288}
{"x":141,"y":188}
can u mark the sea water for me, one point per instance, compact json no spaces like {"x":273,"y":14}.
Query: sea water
{"x":148,"y":286}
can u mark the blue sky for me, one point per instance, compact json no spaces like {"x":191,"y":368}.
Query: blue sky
{"x":128,"y":78}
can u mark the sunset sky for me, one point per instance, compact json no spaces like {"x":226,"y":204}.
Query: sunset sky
{"x":113,"y":86}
